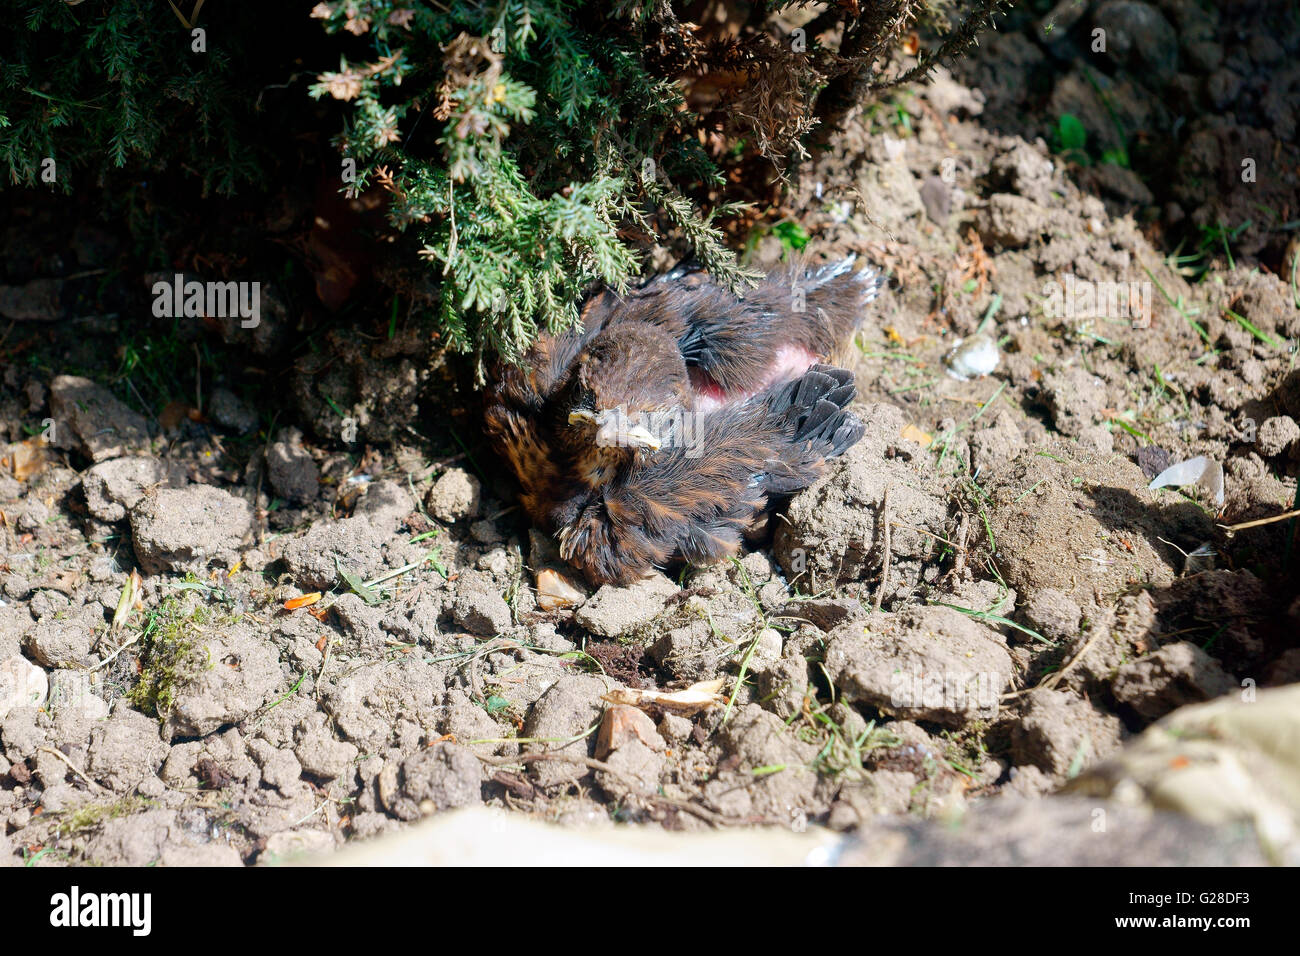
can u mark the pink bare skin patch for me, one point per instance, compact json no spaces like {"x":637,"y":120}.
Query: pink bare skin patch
{"x":790,"y":362}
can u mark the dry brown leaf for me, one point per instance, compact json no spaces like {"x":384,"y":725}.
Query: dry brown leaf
{"x":620,"y":725}
{"x":27,"y":458}
{"x":912,"y":433}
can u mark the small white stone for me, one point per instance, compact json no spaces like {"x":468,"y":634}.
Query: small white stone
{"x":22,"y":684}
{"x":974,"y":357}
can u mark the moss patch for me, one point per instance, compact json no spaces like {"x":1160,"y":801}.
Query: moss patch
{"x":172,"y":652}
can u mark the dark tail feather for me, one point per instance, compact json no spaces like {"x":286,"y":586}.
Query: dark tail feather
{"x":815,"y":405}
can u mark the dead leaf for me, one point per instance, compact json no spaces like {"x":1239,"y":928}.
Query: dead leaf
{"x":621,"y":724}
{"x":555,"y":591}
{"x":27,"y":458}
{"x":175,"y":413}
{"x":699,"y":696}
{"x":912,"y":433}
{"x":128,"y":601}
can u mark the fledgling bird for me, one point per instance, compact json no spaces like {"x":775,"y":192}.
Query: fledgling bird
{"x":669,"y":426}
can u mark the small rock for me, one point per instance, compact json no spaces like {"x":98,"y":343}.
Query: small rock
{"x":825,"y":613}
{"x":635,"y":767}
{"x":691,"y":652}
{"x":356,"y":543}
{"x":35,"y":301}
{"x":455,"y":496}
{"x":291,"y":469}
{"x":22,"y":684}
{"x":442,"y":777}
{"x":136,"y":839}
{"x":60,"y":642}
{"x":125,"y":749}
{"x":564,"y":713}
{"x":1000,"y":441}
{"x":1012,"y":221}
{"x":183,"y":529}
{"x":1025,"y":171}
{"x":936,"y":196}
{"x":244,"y":672}
{"x":288,"y":844}
{"x":479,"y":607}
{"x":103,"y":426}
{"x":71,"y":694}
{"x":323,"y":757}
{"x":374,"y":702}
{"x":1177,"y":674}
{"x":782,"y":685}
{"x":614,"y":611}
{"x":1138,"y":36}
{"x":280,"y":768}
{"x":1059,"y":732}
{"x":32,"y":516}
{"x":675,"y":728}
{"x":1277,"y":435}
{"x":925,"y":663}
{"x":17,"y":587}
{"x":229,"y":411}
{"x":1053,"y":614}
{"x":113,"y":487}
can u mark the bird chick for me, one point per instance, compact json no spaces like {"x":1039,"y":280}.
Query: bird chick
{"x":667,"y":428}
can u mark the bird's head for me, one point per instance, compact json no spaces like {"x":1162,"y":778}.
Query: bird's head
{"x":627,"y":375}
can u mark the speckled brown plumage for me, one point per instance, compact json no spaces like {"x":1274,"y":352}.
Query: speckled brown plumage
{"x":667,"y":427}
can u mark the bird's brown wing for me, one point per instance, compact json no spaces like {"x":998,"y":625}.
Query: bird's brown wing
{"x":521,"y":416}
{"x":735,"y":342}
{"x":694,"y":501}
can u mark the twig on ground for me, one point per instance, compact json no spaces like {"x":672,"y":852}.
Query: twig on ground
{"x":73,"y":767}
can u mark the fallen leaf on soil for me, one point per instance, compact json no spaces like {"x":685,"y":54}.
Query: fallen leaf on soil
{"x":305,"y":600}
{"x":699,"y":696}
{"x":175,"y":413}
{"x":621,"y":724}
{"x":128,"y":601}
{"x":26,"y":458}
{"x":555,"y":591}
{"x":912,"y":433}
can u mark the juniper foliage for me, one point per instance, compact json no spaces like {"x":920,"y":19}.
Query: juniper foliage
{"x":532,"y":147}
{"x":564,"y":130}
{"x":108,"y":86}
